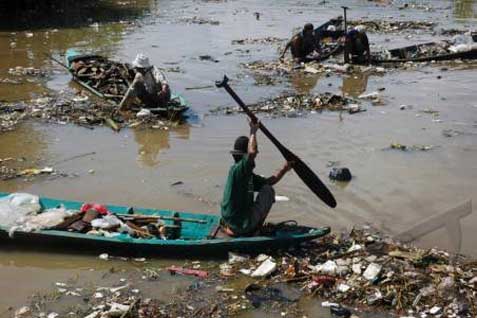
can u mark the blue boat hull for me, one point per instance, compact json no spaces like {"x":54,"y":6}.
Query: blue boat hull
{"x":195,"y":238}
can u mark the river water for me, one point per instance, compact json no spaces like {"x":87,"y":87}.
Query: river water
{"x":391,"y":189}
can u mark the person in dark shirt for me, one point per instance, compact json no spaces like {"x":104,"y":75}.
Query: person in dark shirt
{"x":357,"y":46}
{"x":304,"y":46}
{"x":241,"y":214}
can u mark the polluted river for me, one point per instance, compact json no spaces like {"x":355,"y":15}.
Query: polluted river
{"x":411,"y":148}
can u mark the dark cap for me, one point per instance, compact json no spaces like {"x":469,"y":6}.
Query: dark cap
{"x":240,"y":146}
{"x":308,"y":27}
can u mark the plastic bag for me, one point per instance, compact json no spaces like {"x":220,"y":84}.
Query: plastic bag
{"x":18,"y":205}
{"x":106,"y":222}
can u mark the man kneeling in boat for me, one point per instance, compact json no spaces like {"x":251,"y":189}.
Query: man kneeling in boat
{"x":357,"y":46}
{"x":304,"y":46}
{"x":149,"y":85}
{"x":241,"y":215}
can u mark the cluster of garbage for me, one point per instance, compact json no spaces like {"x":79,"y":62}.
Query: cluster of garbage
{"x":198,"y":20}
{"x":390,"y":26}
{"x":23,"y":212}
{"x":458,"y":44}
{"x":66,"y":108}
{"x":27,"y":71}
{"x":364,"y":269}
{"x":8,"y":173}
{"x":266,"y":40}
{"x":348,"y":273}
{"x":294,"y":105}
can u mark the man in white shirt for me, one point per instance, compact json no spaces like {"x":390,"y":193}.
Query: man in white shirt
{"x":149,"y":85}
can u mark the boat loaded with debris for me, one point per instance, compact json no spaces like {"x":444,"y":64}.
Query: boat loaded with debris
{"x":29,"y":220}
{"x":330,"y":35}
{"x":110,"y":80}
{"x":432,"y":51}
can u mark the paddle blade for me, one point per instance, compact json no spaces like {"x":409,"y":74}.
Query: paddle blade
{"x":312,"y":180}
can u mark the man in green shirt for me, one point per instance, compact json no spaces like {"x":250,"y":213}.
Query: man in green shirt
{"x":241,"y":214}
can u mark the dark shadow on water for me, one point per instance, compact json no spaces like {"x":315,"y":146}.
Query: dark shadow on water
{"x":33,"y":14}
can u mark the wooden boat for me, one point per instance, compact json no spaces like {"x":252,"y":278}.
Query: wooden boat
{"x":197,"y":236}
{"x":431,"y":51}
{"x":331,"y":43}
{"x":110,"y":80}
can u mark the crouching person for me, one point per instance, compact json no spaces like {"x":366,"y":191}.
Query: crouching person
{"x":241,"y":214}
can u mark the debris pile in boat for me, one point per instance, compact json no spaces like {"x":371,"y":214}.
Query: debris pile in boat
{"x":91,"y":219}
{"x":111,"y":79}
{"x":294,"y":105}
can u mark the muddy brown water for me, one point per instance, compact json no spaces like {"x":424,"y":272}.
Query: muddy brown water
{"x":391,"y":189}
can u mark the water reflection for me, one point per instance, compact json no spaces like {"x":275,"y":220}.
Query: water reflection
{"x":355,"y":84}
{"x":27,"y":146}
{"x":303,"y":84}
{"x":465,"y":9}
{"x":151,"y":142}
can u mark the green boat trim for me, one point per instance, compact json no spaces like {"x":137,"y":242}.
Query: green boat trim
{"x":195,"y":238}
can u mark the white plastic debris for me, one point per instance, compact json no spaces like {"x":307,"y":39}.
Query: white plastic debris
{"x":17,"y":205}
{"x":343,"y":288}
{"x":356,"y":268}
{"x":143,"y":113}
{"x":262,"y":257}
{"x":373,"y":95}
{"x":435,"y":310}
{"x":104,"y":256}
{"x":52,"y":315}
{"x":354,"y":247}
{"x":327,"y":304}
{"x":235,"y":258}
{"x":24,"y":311}
{"x":265,"y":269}
{"x":106,"y":222}
{"x":372,"y":271}
{"x":245,"y":271}
{"x":329,"y":268}
{"x":94,"y":314}
{"x":116,"y":310}
{"x":281,"y":198}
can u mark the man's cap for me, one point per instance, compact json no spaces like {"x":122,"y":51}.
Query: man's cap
{"x":240,"y":146}
{"x":308,"y":27}
{"x":141,"y":61}
{"x":360,"y":28}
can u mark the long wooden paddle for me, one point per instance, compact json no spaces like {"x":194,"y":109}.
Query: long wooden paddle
{"x":301,"y":169}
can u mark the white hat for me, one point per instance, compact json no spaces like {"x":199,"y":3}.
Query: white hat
{"x":360,"y":28}
{"x":331,"y":28}
{"x":141,"y":61}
